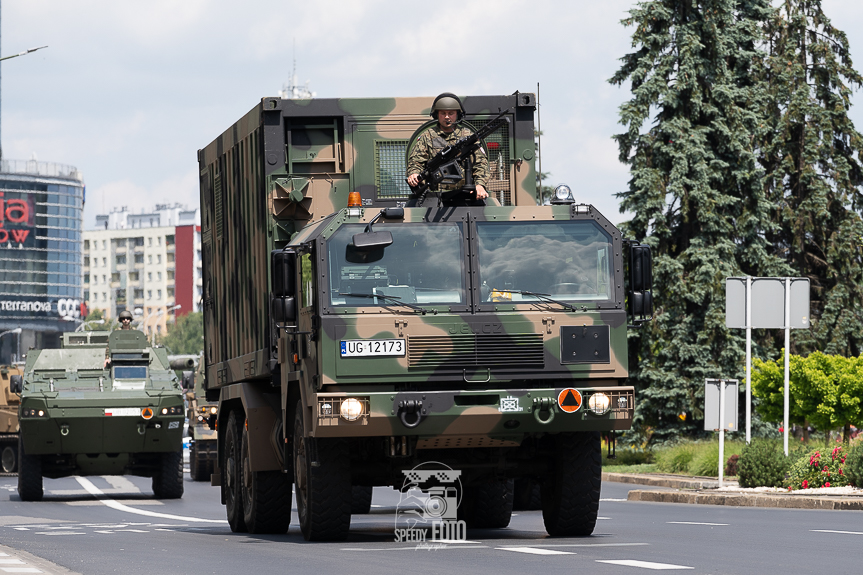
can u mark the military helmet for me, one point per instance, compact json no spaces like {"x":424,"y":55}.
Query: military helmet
{"x":125,"y":314}
{"x":447,"y":101}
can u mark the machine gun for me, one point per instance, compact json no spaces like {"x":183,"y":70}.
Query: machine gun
{"x":453,"y":163}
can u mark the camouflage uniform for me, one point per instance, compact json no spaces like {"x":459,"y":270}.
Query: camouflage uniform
{"x":432,"y":141}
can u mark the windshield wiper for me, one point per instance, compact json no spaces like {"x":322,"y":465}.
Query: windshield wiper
{"x":543,"y":297}
{"x":392,"y":298}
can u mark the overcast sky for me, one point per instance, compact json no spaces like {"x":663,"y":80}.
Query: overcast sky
{"x":128,"y":91}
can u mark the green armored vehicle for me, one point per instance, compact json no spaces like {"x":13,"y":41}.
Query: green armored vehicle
{"x":9,"y":417}
{"x":357,"y":333}
{"x":106,"y":403}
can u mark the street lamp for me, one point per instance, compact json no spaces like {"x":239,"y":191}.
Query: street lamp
{"x":18,"y":352}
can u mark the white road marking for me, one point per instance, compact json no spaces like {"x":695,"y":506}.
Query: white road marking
{"x":585,"y":545}
{"x":11,"y":561}
{"x":60,"y":533}
{"x":90,"y":503}
{"x":121,"y":483}
{"x":93,"y":490}
{"x":612,"y":499}
{"x":20,"y":570}
{"x":21,"y":528}
{"x":833,"y":531}
{"x":535,"y":550}
{"x":643,"y":564}
{"x":695,"y":523}
{"x":603,"y":517}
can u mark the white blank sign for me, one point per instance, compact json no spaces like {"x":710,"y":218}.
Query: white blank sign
{"x":768,"y":303}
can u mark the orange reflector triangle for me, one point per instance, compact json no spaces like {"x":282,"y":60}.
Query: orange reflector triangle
{"x":569,"y":400}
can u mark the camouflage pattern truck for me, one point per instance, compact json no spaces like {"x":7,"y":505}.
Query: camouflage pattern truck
{"x":9,"y":418}
{"x":106,"y":403}
{"x":352,"y":335}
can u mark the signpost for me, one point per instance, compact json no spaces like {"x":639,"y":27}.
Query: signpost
{"x":766,"y":303}
{"x":720,"y":412}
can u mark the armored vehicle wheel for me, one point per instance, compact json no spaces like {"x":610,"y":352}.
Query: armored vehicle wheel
{"x":526,"y":495}
{"x":29,"y":475}
{"x":488,"y":506}
{"x":323,"y":490}
{"x":9,"y":459}
{"x":361,"y":501}
{"x":168,"y":480}
{"x":266,"y":496}
{"x":231,"y":480}
{"x":570,"y":493}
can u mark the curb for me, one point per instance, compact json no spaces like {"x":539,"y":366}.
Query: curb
{"x":672,"y":481}
{"x":748,"y":500}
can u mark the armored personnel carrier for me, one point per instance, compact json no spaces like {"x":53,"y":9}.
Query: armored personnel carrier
{"x":9,"y":418}
{"x":106,"y":403}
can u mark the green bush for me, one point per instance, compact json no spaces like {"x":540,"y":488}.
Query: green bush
{"x":628,"y":456}
{"x":676,"y":459}
{"x":761,"y":464}
{"x":705,"y":461}
{"x":854,"y":462}
{"x":731,"y":465}
{"x":819,"y":468}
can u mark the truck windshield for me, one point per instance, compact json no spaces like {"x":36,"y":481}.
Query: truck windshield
{"x":424,"y":265}
{"x":567,"y":260}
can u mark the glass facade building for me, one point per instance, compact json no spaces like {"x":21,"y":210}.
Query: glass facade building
{"x":41,"y":224}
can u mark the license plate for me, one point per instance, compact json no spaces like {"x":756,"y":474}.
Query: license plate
{"x":123,"y":412}
{"x":372,"y":347}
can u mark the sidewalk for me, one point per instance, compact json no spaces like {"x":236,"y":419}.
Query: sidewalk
{"x":705,"y":491}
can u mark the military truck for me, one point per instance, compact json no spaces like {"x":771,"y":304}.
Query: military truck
{"x":202,"y":444}
{"x":9,"y":418}
{"x":352,"y":335}
{"x":105,"y":403}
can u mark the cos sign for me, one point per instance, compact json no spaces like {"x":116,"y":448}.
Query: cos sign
{"x":70,"y":309}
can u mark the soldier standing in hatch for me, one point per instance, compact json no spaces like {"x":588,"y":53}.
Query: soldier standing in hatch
{"x":125,"y":319}
{"x":447,"y":110}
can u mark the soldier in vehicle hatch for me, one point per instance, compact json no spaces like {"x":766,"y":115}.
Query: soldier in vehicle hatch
{"x":447,"y":110}
{"x":125,"y":319}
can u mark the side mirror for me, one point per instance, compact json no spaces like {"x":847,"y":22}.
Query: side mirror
{"x":284,"y":310}
{"x":372,"y":240}
{"x":640,"y":281}
{"x":284,"y":272}
{"x":16,"y":384}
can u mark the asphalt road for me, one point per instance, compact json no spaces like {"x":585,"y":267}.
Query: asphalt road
{"x":126,"y":531}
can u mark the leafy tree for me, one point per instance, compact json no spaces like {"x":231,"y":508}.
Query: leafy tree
{"x":826,"y":391}
{"x":811,"y":155}
{"x":695,"y":191}
{"x":186,"y":336}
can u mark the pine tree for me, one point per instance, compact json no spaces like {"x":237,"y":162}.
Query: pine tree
{"x":696,"y":192}
{"x":814,"y":173}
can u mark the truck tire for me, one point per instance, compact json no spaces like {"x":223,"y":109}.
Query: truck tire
{"x":29,"y":475}
{"x":198,"y":466}
{"x":266,"y":497}
{"x":168,"y":480}
{"x":323,"y":490}
{"x":361,"y":499}
{"x":570,"y":492}
{"x":9,"y":458}
{"x":526,"y":496}
{"x":489,"y":505}
{"x":231,"y":479}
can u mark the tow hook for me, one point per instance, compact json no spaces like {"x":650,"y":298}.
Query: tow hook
{"x":410,"y":412}
{"x":543,"y":404}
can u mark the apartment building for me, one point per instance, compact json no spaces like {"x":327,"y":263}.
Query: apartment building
{"x":148,"y":263}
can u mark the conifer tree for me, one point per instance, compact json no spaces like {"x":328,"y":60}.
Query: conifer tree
{"x":811,"y":155}
{"x":696,"y":192}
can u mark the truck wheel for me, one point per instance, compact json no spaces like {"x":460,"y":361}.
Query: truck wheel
{"x":361,"y":500}
{"x":168,"y":480}
{"x":323,"y":490}
{"x":198,"y":467}
{"x":9,"y":459}
{"x":233,"y":499}
{"x":29,"y":475}
{"x":570,"y":492}
{"x":488,"y":506}
{"x":266,"y":497}
{"x":526,"y":495}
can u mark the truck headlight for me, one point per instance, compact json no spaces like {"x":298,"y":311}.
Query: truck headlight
{"x":351,"y":409}
{"x":599,"y":403}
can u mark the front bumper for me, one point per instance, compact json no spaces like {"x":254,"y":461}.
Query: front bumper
{"x":502,"y":417}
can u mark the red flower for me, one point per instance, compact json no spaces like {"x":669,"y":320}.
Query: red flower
{"x":781,"y":429}
{"x":805,"y":484}
{"x":827,"y":484}
{"x":825,"y":470}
